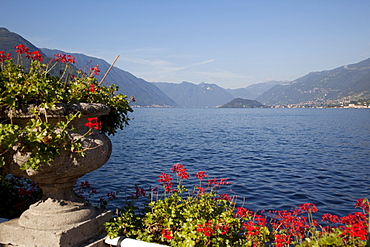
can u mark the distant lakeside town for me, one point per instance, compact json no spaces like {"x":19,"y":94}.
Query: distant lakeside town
{"x":330,"y":104}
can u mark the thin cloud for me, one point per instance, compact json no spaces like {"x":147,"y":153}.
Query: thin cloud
{"x":163,"y":65}
{"x":222,"y":75}
{"x":148,"y":62}
{"x":200,"y":63}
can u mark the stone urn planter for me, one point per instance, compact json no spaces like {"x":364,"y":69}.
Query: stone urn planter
{"x":60,"y":218}
{"x":52,"y":141}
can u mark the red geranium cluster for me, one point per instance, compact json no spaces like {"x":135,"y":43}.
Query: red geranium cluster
{"x":296,"y":225}
{"x":94,"y":123}
{"x":63,"y":58}
{"x":288,"y":226}
{"x":92,"y":88}
{"x":180,"y":171}
{"x":166,"y":181}
{"x":282,"y":240}
{"x":94,"y":70}
{"x":206,"y":228}
{"x":242,"y":212}
{"x":34,"y":55}
{"x":4,"y":57}
{"x":214,"y":182}
{"x":207,"y":218}
{"x":200,"y":175}
{"x":166,"y":234}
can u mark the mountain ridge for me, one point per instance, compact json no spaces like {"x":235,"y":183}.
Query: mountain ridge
{"x":10,"y":39}
{"x":145,"y":93}
{"x":342,"y":84}
{"x":350,"y":82}
{"x":254,"y":90}
{"x":190,"y":95}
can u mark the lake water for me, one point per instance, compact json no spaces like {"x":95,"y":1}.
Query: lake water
{"x":275,"y":158}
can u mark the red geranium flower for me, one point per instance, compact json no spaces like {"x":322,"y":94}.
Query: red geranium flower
{"x":200,"y":175}
{"x":92,"y":88}
{"x":180,"y":171}
{"x":4,"y":57}
{"x":20,"y":49}
{"x":94,"y":70}
{"x":166,"y":234}
{"x":63,"y":58}
{"x":35,"y":55}
{"x":94,"y":123}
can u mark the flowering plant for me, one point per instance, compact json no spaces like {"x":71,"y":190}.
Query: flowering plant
{"x":36,"y":89}
{"x":203,"y":217}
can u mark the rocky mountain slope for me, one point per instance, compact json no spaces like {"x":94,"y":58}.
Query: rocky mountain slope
{"x":351,"y":82}
{"x":255,"y":90}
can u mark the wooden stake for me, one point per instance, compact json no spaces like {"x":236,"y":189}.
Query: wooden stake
{"x":106,"y":73}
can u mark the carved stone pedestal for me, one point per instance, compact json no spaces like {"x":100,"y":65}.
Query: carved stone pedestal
{"x":60,"y":218}
{"x":73,"y":235}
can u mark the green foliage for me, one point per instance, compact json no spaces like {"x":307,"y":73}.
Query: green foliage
{"x":20,"y":87}
{"x":43,"y":141}
{"x":200,"y":220}
{"x":202,"y":217}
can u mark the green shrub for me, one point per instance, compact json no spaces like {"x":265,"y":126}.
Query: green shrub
{"x":202,"y":217}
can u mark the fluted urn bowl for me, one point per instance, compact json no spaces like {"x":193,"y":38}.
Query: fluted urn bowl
{"x":60,"y":207}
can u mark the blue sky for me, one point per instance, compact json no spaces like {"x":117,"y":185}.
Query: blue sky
{"x":232,"y":43}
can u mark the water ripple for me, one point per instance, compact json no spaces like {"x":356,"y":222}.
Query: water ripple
{"x":275,"y":158}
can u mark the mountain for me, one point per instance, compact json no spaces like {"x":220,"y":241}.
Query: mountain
{"x":243,"y":103}
{"x":351,"y":82}
{"x":190,"y":95}
{"x":259,"y":88}
{"x":346,"y":83}
{"x":254,"y":90}
{"x":8,"y":40}
{"x":243,"y":93}
{"x":145,"y":93}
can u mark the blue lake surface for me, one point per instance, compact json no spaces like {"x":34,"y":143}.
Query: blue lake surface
{"x":275,"y":158}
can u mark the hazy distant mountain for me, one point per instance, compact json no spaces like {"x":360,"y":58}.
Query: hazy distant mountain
{"x":190,"y":95}
{"x":254,"y":90}
{"x":351,"y":81}
{"x":243,"y":103}
{"x":145,"y":93}
{"x":243,"y":93}
{"x":259,"y":88}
